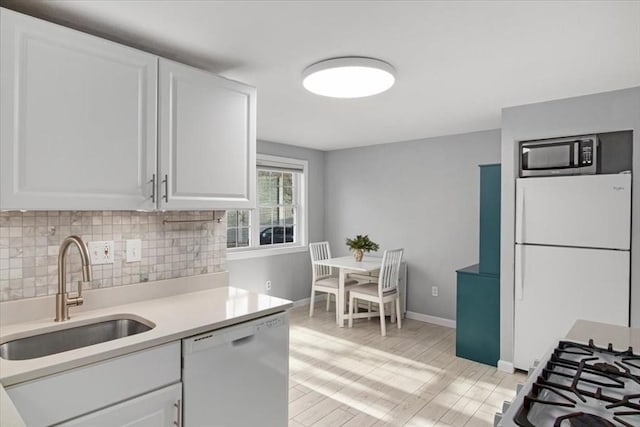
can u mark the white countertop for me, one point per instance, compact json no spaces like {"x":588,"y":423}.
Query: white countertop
{"x":176,"y":317}
{"x":620,"y":337}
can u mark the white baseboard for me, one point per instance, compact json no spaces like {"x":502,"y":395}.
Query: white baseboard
{"x":301,"y":302}
{"x":409,"y":314}
{"x":431,"y":319}
{"x":505,"y":366}
{"x":306,"y":301}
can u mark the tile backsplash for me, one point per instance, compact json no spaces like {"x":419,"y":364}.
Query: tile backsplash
{"x":29,"y":244}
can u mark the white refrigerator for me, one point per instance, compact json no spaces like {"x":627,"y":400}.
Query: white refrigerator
{"x":572,"y":258}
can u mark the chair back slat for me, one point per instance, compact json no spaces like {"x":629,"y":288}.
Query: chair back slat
{"x":320,"y":251}
{"x":390,"y":271}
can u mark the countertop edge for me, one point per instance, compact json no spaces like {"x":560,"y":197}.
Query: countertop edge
{"x":117,"y":348}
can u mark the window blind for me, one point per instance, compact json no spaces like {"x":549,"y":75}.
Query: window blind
{"x":275,"y":166}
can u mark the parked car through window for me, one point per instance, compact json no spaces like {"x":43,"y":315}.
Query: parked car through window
{"x":277,"y":234}
{"x":278,"y":218}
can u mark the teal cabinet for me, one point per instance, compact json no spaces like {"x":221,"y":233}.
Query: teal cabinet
{"x":490,"y":219}
{"x":478,"y":286}
{"x":478,"y":316}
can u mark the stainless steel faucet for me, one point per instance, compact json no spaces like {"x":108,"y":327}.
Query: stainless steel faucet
{"x":63,"y":301}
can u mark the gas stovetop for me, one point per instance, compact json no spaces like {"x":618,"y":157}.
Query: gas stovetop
{"x":580,"y":385}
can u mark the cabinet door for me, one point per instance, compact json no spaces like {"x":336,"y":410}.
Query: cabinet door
{"x":161,"y":408}
{"x":78,"y":119}
{"x":490,"y":219}
{"x":478,"y":318}
{"x":207,"y":140}
{"x":40,"y":402}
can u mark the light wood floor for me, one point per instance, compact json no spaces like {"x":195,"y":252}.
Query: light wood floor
{"x":411,"y":377}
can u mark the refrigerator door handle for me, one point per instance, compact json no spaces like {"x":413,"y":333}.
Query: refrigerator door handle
{"x":519,"y":215}
{"x":519,"y":273}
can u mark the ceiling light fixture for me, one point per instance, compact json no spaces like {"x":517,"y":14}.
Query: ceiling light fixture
{"x":348,"y":77}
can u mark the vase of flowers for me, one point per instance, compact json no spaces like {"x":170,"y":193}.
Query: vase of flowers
{"x":361,"y":244}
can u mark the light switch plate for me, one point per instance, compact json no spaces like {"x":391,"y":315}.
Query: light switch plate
{"x":134,"y":250}
{"x":101,"y":252}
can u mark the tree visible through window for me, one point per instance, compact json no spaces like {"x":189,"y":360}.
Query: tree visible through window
{"x":276,"y":207}
{"x":275,"y":222}
{"x":238,"y":228}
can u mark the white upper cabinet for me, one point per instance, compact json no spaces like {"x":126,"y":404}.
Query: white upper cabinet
{"x":78,"y":119}
{"x":207,"y":140}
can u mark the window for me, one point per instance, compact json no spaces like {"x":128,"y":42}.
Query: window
{"x":279,"y":221}
{"x":238,"y":228}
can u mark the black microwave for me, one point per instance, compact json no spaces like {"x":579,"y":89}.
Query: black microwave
{"x":563,"y":156}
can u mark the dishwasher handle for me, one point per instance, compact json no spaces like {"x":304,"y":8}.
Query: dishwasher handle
{"x":235,"y":336}
{"x":238,"y":334}
{"x":243,"y":340}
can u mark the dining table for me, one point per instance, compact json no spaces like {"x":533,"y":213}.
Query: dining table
{"x":347,"y":265}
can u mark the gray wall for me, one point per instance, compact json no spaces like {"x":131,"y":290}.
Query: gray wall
{"x":420,"y":195}
{"x":290,"y":274}
{"x":603,"y":112}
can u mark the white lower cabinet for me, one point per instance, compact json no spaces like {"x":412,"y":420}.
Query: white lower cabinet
{"x":122,"y":381}
{"x":161,"y":408}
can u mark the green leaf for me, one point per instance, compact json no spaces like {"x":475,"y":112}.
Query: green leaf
{"x":362,"y":242}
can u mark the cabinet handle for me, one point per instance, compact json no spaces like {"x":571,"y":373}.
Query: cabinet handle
{"x":153,"y":188}
{"x":519,"y":273}
{"x":178,"y":406}
{"x":165,"y":181}
{"x":520,"y":215}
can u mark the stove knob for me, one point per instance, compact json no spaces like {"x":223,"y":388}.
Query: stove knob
{"x":519,"y":387}
{"x":505,"y":406}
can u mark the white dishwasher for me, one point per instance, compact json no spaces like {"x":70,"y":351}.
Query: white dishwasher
{"x":238,"y":376}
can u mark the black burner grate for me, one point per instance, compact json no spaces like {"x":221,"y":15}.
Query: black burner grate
{"x":579,"y":375}
{"x":580,"y":419}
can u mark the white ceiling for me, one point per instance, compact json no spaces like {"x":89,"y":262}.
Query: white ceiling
{"x":458,"y":63}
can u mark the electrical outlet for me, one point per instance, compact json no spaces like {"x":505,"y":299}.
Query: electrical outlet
{"x":267,"y":285}
{"x":434,"y":291}
{"x":101,"y":252}
{"x":134,"y":250}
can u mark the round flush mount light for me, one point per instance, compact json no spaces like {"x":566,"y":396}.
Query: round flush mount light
{"x":348,"y":77}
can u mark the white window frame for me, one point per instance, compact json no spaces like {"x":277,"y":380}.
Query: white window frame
{"x":302,"y":227}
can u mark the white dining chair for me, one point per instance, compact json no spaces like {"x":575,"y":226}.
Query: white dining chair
{"x":386,"y":290}
{"x":323,"y":278}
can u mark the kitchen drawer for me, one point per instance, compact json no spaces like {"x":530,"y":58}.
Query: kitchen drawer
{"x":62,"y":396}
{"x":160,"y":408}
